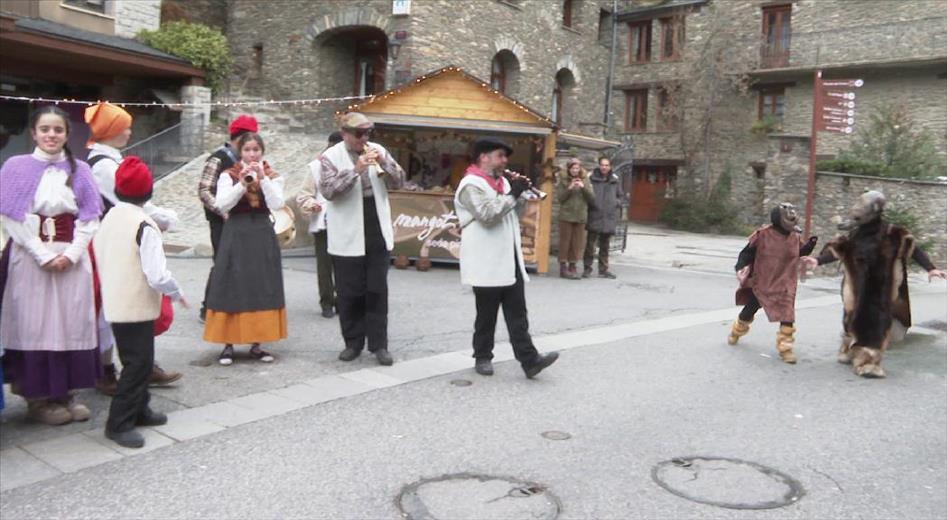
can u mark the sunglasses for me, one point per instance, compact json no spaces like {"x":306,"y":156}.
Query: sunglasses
{"x":360,"y":132}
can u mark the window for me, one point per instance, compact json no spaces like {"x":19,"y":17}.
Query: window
{"x":565,"y":81}
{"x":639,"y":42}
{"x":772,"y":102}
{"x":777,"y":33}
{"x":668,"y":112}
{"x":672,"y":38}
{"x":636,"y":110}
{"x":498,"y":74}
{"x":504,"y":70}
{"x":370,"y":64}
{"x":89,"y":5}
{"x":567,"y":13}
{"x":257,"y":70}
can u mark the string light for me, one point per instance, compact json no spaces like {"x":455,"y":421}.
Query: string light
{"x":228,"y":103}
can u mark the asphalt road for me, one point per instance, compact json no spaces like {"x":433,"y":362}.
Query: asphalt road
{"x":858,"y":448}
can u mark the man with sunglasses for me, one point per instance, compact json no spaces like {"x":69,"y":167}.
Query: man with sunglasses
{"x":356,"y":177}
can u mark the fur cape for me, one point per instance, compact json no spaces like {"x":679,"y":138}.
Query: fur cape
{"x":875,"y":288}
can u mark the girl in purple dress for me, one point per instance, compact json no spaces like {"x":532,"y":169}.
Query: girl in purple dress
{"x":49,"y":207}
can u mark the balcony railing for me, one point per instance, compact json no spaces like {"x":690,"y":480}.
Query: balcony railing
{"x":167,"y":150}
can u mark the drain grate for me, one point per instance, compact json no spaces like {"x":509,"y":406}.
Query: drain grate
{"x":473,"y":496}
{"x":725,"y":482}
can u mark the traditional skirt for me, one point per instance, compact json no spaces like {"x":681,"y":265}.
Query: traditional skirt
{"x":245,"y":299}
{"x":48,"y":326}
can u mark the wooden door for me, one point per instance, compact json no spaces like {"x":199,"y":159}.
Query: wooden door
{"x":648,"y":188}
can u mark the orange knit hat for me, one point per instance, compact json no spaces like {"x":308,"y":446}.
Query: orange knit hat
{"x":106,"y":121}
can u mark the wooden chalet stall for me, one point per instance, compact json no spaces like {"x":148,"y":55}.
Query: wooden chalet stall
{"x":429,"y":126}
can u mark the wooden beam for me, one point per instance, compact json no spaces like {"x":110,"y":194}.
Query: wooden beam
{"x":544,"y":233}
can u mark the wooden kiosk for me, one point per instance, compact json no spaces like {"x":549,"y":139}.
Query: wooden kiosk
{"x":429,"y":125}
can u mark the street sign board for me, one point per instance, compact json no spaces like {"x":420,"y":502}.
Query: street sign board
{"x":838,"y":112}
{"x":839,"y":120}
{"x":839,"y":94}
{"x":838,"y":103}
{"x":841,"y":129}
{"x":842,"y":83}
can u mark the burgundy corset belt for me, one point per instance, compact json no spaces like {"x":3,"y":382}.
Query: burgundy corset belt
{"x":60,"y":228}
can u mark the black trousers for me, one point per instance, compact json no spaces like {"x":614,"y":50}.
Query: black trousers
{"x":513,"y":300}
{"x":324,"y":271}
{"x":361,"y":284}
{"x":136,"y":350}
{"x":216,"y":229}
{"x":752,"y":307}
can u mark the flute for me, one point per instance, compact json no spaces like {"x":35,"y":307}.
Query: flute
{"x":511,"y":175}
{"x":373,"y":162}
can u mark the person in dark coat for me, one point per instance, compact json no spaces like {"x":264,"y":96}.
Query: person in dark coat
{"x":877,"y":307}
{"x":604,"y":216}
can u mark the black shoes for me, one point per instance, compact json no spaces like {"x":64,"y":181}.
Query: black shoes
{"x":129,"y":439}
{"x":384,"y":357}
{"x":349,"y":354}
{"x":328,"y":312}
{"x":542,"y":361}
{"x":151,"y":418}
{"x":484,"y":367}
{"x":607,"y":274}
{"x":586,"y":272}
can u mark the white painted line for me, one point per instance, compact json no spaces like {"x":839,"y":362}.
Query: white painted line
{"x":372,"y":378}
{"x":153,"y":441}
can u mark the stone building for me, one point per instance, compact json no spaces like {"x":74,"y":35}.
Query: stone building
{"x":701,"y":88}
{"x":696,"y":76}
{"x":85,"y":49}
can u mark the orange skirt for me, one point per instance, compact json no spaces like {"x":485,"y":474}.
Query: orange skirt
{"x":245,"y":327}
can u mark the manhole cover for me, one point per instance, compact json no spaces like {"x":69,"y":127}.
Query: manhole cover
{"x":466,"y":496}
{"x":732,"y":483}
{"x":554,"y":435}
{"x":461,"y":382}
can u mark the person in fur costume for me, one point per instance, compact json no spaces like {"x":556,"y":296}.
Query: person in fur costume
{"x":874,"y":256}
{"x":767,"y":269}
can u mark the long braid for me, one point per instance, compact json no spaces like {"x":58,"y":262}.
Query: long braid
{"x":72,"y":163}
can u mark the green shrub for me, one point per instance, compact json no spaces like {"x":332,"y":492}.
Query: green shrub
{"x":766,"y":124}
{"x":906,"y":219}
{"x":205,"y":47}
{"x":891,"y":144}
{"x":848,"y":164}
{"x":696,"y":213}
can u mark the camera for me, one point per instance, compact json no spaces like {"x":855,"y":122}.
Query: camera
{"x":249,"y":177}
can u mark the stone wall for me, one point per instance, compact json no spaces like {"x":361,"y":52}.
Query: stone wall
{"x":846,"y":31}
{"x":207,"y":12}
{"x":835,"y":193}
{"x":132,"y":16}
{"x":304,"y":53}
{"x":920,"y":92}
{"x":786,"y":180}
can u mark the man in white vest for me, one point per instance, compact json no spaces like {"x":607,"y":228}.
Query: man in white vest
{"x":355,"y":178}
{"x":134,"y":275}
{"x":491,"y":255}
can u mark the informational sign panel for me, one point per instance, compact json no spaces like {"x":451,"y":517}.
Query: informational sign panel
{"x":425,"y":224}
{"x":835,"y":108}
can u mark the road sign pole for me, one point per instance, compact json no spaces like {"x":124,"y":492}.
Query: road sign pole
{"x":816,"y":119}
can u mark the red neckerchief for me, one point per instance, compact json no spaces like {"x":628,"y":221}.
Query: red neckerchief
{"x":494,"y":182}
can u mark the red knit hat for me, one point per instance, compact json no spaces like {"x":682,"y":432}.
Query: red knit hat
{"x":243,"y":123}
{"x":133,"y":179}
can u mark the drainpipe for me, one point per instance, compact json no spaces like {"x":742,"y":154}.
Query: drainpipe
{"x":611,"y":68}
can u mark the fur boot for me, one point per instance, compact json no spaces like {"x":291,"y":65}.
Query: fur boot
{"x":845,"y":350}
{"x":785,"y":340}
{"x":867,"y":362}
{"x":739,"y":329}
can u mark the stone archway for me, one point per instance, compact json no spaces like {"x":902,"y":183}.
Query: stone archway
{"x":566,"y":62}
{"x":508,"y":43}
{"x":351,"y":17}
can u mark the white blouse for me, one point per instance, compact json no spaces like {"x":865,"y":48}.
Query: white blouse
{"x":53,"y":197}
{"x":229,"y":192}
